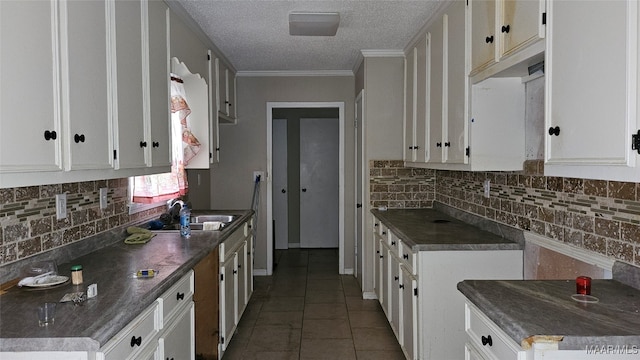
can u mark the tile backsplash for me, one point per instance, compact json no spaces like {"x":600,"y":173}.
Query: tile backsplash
{"x":28,"y":224}
{"x":599,"y":216}
{"x":395,"y":186}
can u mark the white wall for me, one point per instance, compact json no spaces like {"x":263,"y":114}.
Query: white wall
{"x":243,"y":147}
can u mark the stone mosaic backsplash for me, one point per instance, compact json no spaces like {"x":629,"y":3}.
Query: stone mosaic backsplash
{"x":395,"y":186}
{"x":600,"y":216}
{"x":28,"y":224}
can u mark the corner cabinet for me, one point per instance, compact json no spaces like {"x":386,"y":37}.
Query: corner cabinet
{"x":417,"y":290}
{"x":592,"y":93}
{"x":236,"y":280}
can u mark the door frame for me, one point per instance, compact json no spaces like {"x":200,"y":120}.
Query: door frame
{"x":359,"y":217}
{"x":341,"y":191}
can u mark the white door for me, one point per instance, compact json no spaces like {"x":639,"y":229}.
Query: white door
{"x":359,"y":179}
{"x":279,"y":173}
{"x":319,"y":183}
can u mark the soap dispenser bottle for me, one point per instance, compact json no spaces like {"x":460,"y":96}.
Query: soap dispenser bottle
{"x":185,"y":222}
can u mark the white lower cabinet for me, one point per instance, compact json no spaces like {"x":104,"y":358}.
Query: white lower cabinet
{"x":486,"y":341}
{"x":417,"y":291}
{"x":236,"y":281}
{"x":166,"y":327}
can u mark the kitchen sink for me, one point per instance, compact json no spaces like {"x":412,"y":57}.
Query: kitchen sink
{"x":197,"y":222}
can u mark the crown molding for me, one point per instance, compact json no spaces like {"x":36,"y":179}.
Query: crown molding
{"x":294,"y":73}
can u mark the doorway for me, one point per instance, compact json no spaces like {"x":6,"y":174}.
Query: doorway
{"x":314,"y":181}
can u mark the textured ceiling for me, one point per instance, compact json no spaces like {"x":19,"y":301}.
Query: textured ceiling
{"x":254,"y":34}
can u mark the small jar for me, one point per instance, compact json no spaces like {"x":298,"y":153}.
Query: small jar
{"x":76,"y":274}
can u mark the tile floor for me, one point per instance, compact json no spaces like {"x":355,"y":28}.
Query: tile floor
{"x":306,"y":310}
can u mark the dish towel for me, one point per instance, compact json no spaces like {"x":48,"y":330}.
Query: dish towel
{"x":138,"y":235}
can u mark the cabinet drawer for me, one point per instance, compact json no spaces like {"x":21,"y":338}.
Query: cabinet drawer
{"x":180,"y":293}
{"x":394,"y":244}
{"x":488,"y":338}
{"x":139,"y":335}
{"x":229,"y":245}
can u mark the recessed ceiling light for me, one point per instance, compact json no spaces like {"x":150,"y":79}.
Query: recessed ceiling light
{"x":313,"y":23}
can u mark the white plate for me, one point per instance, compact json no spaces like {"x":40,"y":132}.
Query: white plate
{"x":47,"y":281}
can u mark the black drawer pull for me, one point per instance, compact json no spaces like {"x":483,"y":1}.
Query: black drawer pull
{"x":50,"y":135}
{"x":405,"y":256}
{"x":393,"y":243}
{"x":180,"y":296}
{"x":156,"y":144}
{"x":143,"y":144}
{"x":78,"y":138}
{"x":136,"y":341}
{"x":401,"y":286}
{"x":395,"y":278}
{"x":486,"y":340}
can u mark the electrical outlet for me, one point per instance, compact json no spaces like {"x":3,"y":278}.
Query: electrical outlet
{"x":487,"y":188}
{"x":258,"y":173}
{"x":61,"y":206}
{"x":104,"y":199}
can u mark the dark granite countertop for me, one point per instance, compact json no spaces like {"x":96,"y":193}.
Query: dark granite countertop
{"x":543,"y":310}
{"x":432,"y":230}
{"x":120,"y":296}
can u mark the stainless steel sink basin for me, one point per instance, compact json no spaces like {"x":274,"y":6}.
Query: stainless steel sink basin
{"x":221,"y":218}
{"x":197,"y":222}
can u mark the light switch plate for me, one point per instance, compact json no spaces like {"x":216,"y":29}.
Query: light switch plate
{"x":104,"y":200}
{"x":61,"y":206}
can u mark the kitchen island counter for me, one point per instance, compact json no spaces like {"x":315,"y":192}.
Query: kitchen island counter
{"x":121,"y":297}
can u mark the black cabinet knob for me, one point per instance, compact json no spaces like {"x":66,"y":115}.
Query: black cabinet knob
{"x":50,"y":135}
{"x":235,"y":272}
{"x":393,"y":243}
{"x":439,"y":144}
{"x":136,"y":341}
{"x":489,"y":39}
{"x":304,"y":189}
{"x":395,"y":278}
{"x":447,"y":144}
{"x":486,"y":340}
{"x":358,"y":206}
{"x":155,"y":144}
{"x":78,"y":138}
{"x":554,"y":131}
{"x":405,"y":256}
{"x":384,"y":233}
{"x":143,"y":144}
{"x":283,"y":191}
{"x":410,"y":147}
{"x":180,"y":296}
{"x":505,"y":29}
{"x":401,"y":286}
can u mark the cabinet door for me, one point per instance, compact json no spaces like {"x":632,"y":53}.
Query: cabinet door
{"x":521,"y":22}
{"x":435,"y":52}
{"x":231,"y":94}
{"x":591,"y":99}
{"x":386,"y":278}
{"x":179,"y":338}
{"x":159,"y":109}
{"x":221,"y":78}
{"x":249,"y":266}
{"x":455,"y":138}
{"x":131,"y":142}
{"x":377,"y":266}
{"x":409,"y":288}
{"x":227,"y":301}
{"x":214,"y":128}
{"x":86,"y":85}
{"x":394,"y":290}
{"x":422,"y":101}
{"x":29,"y":106}
{"x":481,"y":14}
{"x":241,"y":278}
{"x":410,"y":107}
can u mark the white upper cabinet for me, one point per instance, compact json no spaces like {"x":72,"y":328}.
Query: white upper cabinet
{"x":504,"y":33}
{"x":455,"y":86}
{"x":30,"y":119}
{"x":226,"y":93}
{"x":410,"y":78}
{"x":128,"y":69}
{"x":592,"y":91}
{"x":86,"y":84}
{"x":158,"y":139}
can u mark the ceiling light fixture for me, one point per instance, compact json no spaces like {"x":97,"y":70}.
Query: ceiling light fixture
{"x":313,"y":23}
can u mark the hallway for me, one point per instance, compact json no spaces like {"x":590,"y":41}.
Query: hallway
{"x":307,"y":311}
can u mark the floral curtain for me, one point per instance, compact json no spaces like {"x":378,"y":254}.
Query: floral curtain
{"x":184,"y":146}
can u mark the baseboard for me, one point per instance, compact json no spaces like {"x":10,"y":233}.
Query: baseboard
{"x":368,"y":295}
{"x":259,"y":272}
{"x":348,"y":271}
